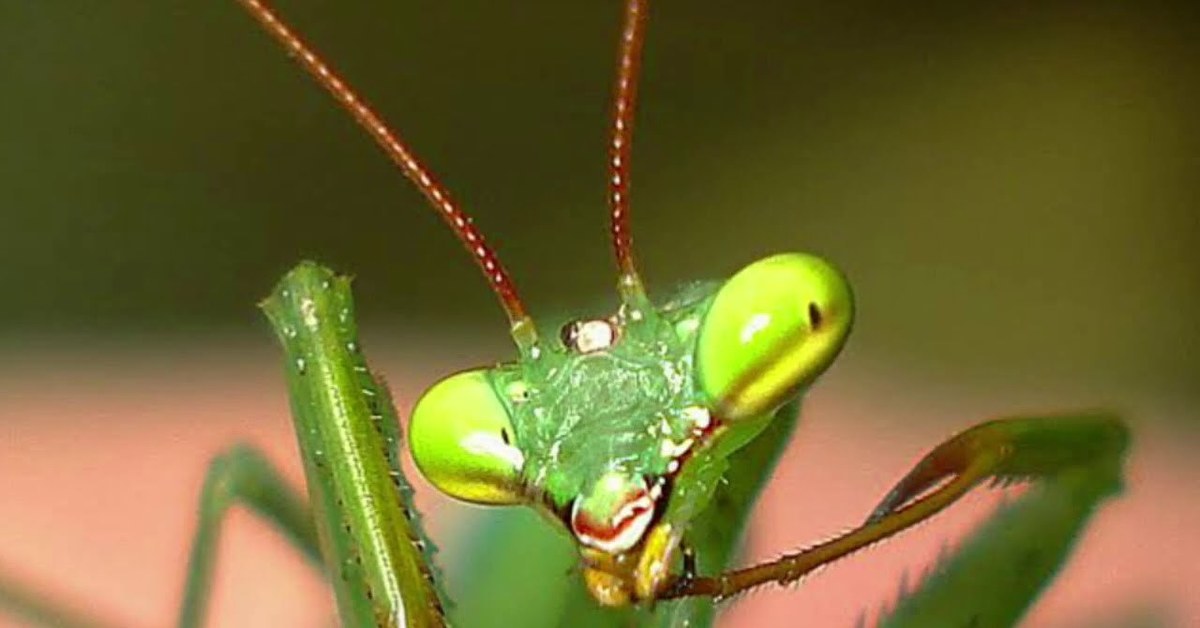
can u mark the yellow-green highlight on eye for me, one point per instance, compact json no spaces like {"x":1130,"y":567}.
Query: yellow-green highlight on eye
{"x":772,"y":329}
{"x":462,"y":440}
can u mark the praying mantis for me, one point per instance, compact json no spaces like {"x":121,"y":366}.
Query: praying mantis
{"x":643,"y":436}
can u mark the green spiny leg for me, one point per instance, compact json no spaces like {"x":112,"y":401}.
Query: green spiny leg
{"x":241,"y":475}
{"x":1078,"y":456}
{"x":346,"y":426}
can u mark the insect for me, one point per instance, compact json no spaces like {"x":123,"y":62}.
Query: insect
{"x":643,"y":435}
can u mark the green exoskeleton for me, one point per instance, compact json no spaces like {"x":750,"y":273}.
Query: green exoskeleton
{"x":644,"y":435}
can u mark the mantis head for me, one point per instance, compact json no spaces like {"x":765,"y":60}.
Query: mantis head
{"x":614,"y":429}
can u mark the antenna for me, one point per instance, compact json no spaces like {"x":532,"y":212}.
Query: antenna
{"x":522,"y":327}
{"x":625,"y":92}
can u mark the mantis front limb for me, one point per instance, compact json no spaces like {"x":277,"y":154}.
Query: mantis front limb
{"x":1079,"y":458}
{"x":241,"y":475}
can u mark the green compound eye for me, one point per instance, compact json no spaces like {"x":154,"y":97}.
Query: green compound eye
{"x":771,"y":330}
{"x":461,"y":438}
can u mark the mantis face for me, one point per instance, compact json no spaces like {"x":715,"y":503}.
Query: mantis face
{"x":603,"y":429}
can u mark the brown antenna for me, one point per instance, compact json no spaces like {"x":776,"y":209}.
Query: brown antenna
{"x":522,"y":327}
{"x":625,"y":92}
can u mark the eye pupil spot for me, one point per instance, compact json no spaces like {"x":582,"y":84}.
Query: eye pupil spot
{"x":504,"y":437}
{"x":814,"y":316}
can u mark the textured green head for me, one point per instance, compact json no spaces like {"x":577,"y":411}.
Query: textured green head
{"x":598,"y":429}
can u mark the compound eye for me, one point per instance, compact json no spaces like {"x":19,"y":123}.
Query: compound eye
{"x":462,"y":439}
{"x":771,"y":330}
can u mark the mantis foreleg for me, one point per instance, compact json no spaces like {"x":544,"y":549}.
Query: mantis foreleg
{"x":1017,"y":552}
{"x":1012,"y":557}
{"x":241,"y":475}
{"x":348,"y":434}
{"x":1078,"y":456}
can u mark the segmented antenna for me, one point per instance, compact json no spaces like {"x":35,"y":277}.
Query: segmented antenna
{"x":625,"y":92}
{"x":523,"y":330}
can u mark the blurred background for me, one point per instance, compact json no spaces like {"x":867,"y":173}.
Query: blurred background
{"x":1012,"y":190}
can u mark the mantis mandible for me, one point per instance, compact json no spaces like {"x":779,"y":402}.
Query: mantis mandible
{"x":644,"y":436}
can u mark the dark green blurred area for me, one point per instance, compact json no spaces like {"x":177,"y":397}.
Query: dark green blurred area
{"x":1013,"y":189}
